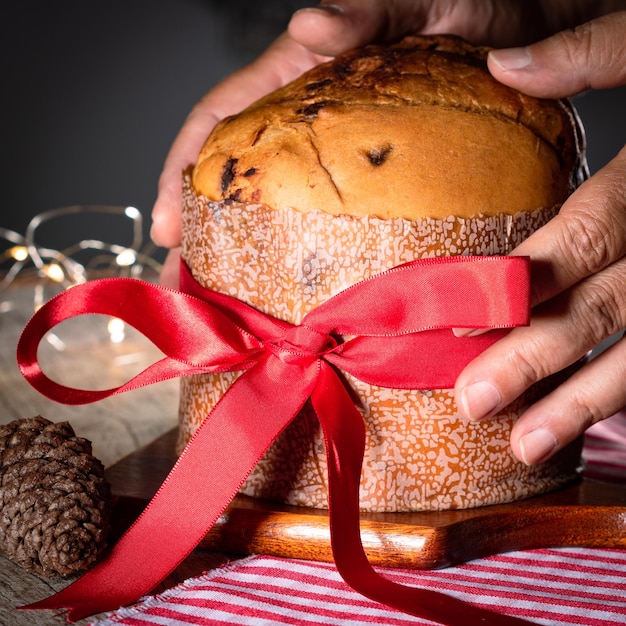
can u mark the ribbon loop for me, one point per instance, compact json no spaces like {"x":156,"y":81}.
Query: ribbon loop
{"x":431,"y":293}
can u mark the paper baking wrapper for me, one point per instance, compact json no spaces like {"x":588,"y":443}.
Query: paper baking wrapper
{"x":419,"y":454}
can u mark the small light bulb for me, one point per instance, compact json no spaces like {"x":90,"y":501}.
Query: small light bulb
{"x":116,"y":328}
{"x":54,"y":272}
{"x":19,"y":253}
{"x":132,"y":212}
{"x":126,"y":258}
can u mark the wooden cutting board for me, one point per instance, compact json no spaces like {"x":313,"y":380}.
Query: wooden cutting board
{"x":587,"y":514}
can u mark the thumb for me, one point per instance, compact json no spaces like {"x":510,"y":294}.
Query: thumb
{"x":590,"y":56}
{"x":334,"y":27}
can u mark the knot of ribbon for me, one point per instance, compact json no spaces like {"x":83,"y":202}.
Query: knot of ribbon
{"x":301,"y":344}
{"x":391,"y":330}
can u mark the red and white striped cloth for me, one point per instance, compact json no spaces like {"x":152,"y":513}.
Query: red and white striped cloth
{"x":564,"y":586}
{"x":558,"y":587}
{"x":605,"y":449}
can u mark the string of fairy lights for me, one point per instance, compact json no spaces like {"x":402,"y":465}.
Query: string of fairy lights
{"x":48,"y":270}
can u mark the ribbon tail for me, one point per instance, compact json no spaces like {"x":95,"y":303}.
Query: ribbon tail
{"x":344,"y":435}
{"x":216,"y":461}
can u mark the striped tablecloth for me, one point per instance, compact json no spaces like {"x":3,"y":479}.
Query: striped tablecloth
{"x":558,"y":586}
{"x":605,"y":449}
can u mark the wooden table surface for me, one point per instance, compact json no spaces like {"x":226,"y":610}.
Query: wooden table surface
{"x":116,"y":427}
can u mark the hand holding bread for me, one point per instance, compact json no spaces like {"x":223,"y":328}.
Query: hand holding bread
{"x":583,"y":249}
{"x":579,"y":284}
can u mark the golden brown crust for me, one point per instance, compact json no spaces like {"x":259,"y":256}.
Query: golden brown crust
{"x":378,"y":115}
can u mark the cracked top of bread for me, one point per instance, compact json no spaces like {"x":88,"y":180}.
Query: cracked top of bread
{"x":415,"y":129}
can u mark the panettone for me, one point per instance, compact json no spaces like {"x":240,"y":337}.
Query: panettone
{"x":383,"y":155}
{"x":419,"y":129}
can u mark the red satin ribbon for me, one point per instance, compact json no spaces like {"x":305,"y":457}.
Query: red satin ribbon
{"x":399,"y":327}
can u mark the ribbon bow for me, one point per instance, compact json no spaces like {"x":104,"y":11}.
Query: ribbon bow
{"x":391,"y":330}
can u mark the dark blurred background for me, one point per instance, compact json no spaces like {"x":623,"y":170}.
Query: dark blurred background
{"x":94,"y":93}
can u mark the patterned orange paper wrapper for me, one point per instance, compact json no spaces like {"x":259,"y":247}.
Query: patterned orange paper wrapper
{"x":419,"y":455}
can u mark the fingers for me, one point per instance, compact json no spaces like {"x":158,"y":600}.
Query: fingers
{"x":562,"y":331}
{"x":579,"y":266}
{"x":283,"y":61}
{"x":579,"y":279}
{"x":594,"y":393}
{"x":587,"y":235}
{"x":334,"y":27}
{"x":590,"y":56}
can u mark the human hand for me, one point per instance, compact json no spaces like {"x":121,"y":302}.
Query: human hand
{"x":579,"y":266}
{"x":314,"y":34}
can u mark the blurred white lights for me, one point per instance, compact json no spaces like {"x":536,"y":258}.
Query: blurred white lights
{"x":132,"y":213}
{"x":54,"y":272}
{"x":19,"y":253}
{"x":54,"y":269}
{"x":116,"y":329}
{"x":126,"y":258}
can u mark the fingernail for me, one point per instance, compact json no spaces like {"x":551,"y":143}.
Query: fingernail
{"x":537,"y":446}
{"x":332,"y":9}
{"x":479,"y":399}
{"x":511,"y":58}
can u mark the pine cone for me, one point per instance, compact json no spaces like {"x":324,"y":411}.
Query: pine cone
{"x":55,"y":503}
